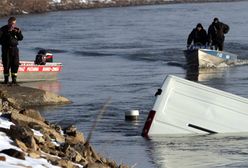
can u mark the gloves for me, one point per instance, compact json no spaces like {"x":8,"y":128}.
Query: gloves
{"x":188,"y":46}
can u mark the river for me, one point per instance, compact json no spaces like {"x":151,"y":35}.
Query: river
{"x":125,"y":54}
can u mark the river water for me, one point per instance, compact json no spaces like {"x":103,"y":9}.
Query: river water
{"x":125,"y":54}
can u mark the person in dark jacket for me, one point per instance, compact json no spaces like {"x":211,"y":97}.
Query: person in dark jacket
{"x":9,"y":37}
{"x":198,"y":36}
{"x":216,"y":33}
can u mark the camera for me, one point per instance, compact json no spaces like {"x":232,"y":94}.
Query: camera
{"x":16,"y":29}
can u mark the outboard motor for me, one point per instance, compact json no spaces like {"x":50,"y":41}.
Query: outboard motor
{"x":43,"y":56}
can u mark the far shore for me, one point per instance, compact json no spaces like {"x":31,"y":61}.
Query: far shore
{"x":8,"y":9}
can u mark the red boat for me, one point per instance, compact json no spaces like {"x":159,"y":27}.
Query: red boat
{"x":39,"y":70}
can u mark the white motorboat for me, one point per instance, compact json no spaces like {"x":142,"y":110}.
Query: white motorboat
{"x":186,"y":107}
{"x":209,"y":58}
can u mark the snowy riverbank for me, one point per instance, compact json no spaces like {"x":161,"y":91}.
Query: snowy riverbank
{"x":28,"y":140}
{"x":6,"y":143}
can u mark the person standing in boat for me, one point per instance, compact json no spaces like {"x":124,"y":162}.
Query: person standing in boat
{"x":216,"y":33}
{"x":198,"y":36}
{"x":9,"y":37}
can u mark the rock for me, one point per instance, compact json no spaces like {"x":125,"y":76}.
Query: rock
{"x":32,"y":114}
{"x":54,"y":135}
{"x":94,"y":154}
{"x":14,"y":153}
{"x":112,"y":163}
{"x":47,"y":122}
{"x":2,"y":158}
{"x":97,"y":165}
{"x":36,"y":126}
{"x":34,"y":154}
{"x":21,"y":145}
{"x":77,"y":157}
{"x":24,"y":134}
{"x":104,"y":160}
{"x":44,"y":148}
{"x":70,"y":153}
{"x":5,"y":130}
{"x":56,"y":127}
{"x":19,"y":132}
{"x":50,"y":98}
{"x":64,"y":147}
{"x":30,"y":142}
{"x":79,"y":147}
{"x":84,"y":162}
{"x":54,"y":152}
{"x":5,"y":105}
{"x":70,"y":130}
{"x":50,"y":145}
{"x":23,"y":120}
{"x":73,"y":140}
{"x":123,"y":166}
{"x":64,"y":164}
{"x":39,"y":139}
{"x":21,"y":97}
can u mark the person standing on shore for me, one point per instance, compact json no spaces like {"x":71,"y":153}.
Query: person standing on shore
{"x":9,"y":37}
{"x":216,"y":33}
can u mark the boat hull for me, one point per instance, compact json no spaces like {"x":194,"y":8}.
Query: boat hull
{"x":28,"y":71}
{"x":186,"y":107}
{"x":191,"y":57}
{"x":204,"y":58}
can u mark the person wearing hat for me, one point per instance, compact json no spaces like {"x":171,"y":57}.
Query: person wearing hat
{"x":9,"y":37}
{"x":216,"y":33}
{"x":198,"y":36}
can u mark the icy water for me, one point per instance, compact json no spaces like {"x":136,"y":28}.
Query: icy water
{"x":125,"y":54}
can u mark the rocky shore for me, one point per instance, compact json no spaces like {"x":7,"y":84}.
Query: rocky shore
{"x":31,"y":136}
{"x":10,"y":7}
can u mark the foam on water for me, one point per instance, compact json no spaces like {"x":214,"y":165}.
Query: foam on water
{"x":241,"y":62}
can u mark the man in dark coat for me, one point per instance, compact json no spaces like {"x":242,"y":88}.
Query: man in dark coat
{"x":198,"y":36}
{"x":216,"y":33}
{"x":9,"y":37}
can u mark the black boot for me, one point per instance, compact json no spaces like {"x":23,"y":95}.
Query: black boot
{"x":14,"y":80}
{"x":6,"y":80}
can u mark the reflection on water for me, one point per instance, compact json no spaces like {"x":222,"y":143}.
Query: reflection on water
{"x":212,"y":73}
{"x":194,"y":73}
{"x":201,"y":151}
{"x":51,"y":86}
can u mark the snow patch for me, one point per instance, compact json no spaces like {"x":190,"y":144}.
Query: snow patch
{"x":11,"y":162}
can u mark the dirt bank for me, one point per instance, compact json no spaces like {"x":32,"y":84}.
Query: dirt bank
{"x":13,"y":7}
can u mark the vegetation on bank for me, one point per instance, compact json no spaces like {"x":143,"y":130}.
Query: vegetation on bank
{"x":14,"y":7}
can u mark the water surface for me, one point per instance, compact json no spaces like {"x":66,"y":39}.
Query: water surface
{"x":125,"y":54}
